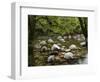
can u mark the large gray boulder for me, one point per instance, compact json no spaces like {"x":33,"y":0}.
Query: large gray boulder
{"x":73,"y":46}
{"x":68,"y":55}
{"x":50,"y":40}
{"x":55,"y":47}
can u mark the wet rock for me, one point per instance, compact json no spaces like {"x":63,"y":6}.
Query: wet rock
{"x":62,"y":40}
{"x":75,"y":37}
{"x":67,"y":50}
{"x":69,"y":36}
{"x":55,"y":47}
{"x":63,"y":48}
{"x":43,"y":42}
{"x":59,"y":37}
{"x":68,"y":55}
{"x":82,"y":37}
{"x":44,"y":48}
{"x":50,"y":41}
{"x":73,"y":46}
{"x":65,"y":37}
{"x":51,"y":58}
{"x":83,"y":43}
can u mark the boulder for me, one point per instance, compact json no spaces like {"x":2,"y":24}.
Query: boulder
{"x":67,"y":50}
{"x":43,"y":42}
{"x":83,"y":43}
{"x":75,"y":37}
{"x":65,"y":37}
{"x":73,"y":46}
{"x":55,"y":47}
{"x":50,"y":41}
{"x":59,"y":37}
{"x":68,"y":55}
{"x":82,"y":37}
{"x":63,"y":48}
{"x":44,"y":48}
{"x":69,"y":36}
{"x":62,"y":40}
{"x":51,"y":58}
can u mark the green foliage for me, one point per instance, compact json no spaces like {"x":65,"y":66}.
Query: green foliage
{"x":57,"y":25}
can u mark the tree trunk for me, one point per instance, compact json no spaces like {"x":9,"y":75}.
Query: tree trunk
{"x":31,"y":31}
{"x":83,"y":24}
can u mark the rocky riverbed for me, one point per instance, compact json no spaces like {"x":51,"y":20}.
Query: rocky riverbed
{"x":70,"y":50}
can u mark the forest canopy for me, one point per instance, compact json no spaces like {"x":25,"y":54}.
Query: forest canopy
{"x":63,"y":25}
